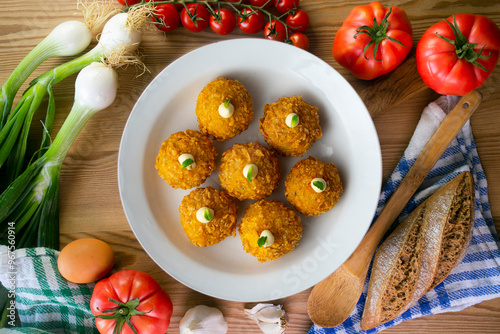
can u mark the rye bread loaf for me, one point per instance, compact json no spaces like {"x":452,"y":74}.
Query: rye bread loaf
{"x":420,"y":252}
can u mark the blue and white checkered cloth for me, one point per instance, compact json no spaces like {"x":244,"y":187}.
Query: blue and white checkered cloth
{"x":477,"y":277}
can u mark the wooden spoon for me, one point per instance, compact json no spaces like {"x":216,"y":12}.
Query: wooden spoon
{"x":332,"y":300}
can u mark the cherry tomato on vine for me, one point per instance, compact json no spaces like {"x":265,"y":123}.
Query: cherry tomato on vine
{"x":300,"y":40}
{"x":284,"y":6}
{"x":298,"y":21}
{"x":223,"y":22}
{"x":195,"y":18}
{"x":260,"y":3}
{"x":130,"y":2}
{"x":275,"y":30}
{"x":250,"y":21}
{"x":167,"y":16}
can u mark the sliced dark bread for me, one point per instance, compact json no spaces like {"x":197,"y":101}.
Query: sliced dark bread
{"x":421,"y":252}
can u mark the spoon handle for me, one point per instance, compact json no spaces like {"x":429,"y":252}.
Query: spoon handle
{"x":359,"y":261}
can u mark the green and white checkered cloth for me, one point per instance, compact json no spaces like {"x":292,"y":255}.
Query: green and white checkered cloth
{"x":45,"y":301}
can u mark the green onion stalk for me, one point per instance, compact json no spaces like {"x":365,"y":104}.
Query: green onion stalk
{"x":30,"y":203}
{"x":119,"y":36}
{"x":67,"y":39}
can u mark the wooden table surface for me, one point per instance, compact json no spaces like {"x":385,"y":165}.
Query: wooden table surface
{"x":90,"y":204}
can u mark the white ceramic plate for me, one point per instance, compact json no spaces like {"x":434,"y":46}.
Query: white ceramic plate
{"x":269,"y":70}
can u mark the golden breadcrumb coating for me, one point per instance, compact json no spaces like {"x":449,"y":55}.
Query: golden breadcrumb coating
{"x":186,"y":142}
{"x":301,"y":195}
{"x":290,"y":141}
{"x":234,"y":161}
{"x":276,"y":217}
{"x":207,"y":108}
{"x":221,"y":226}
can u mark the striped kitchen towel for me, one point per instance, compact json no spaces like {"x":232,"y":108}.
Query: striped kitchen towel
{"x":45,"y":301}
{"x":477,"y":277}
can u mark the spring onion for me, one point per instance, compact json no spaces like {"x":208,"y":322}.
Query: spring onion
{"x":31,"y":201}
{"x":120,"y":36}
{"x":67,"y":39}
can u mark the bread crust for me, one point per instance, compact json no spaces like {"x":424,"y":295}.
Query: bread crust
{"x":396,"y":267}
{"x":443,"y":225}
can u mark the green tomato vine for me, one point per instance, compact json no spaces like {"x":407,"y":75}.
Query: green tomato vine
{"x":237,"y":7}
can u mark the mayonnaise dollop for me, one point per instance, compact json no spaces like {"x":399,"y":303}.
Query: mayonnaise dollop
{"x":318,"y":184}
{"x":250,"y":172}
{"x":292,"y":120}
{"x":205,"y":215}
{"x":226,"y":109}
{"x":185,"y":157}
{"x":269,"y":238}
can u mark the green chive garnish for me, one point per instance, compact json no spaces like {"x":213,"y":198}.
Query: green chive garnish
{"x":207,"y":214}
{"x":187,"y":163}
{"x":262,"y":241}
{"x":295,"y":121}
{"x":226,"y":103}
{"x":319,"y":185}
{"x":249,"y":174}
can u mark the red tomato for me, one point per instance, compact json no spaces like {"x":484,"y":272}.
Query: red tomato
{"x":133,"y":298}
{"x":370,"y":51}
{"x":167,"y":15}
{"x":195,"y":18}
{"x":300,"y":40}
{"x":456,"y":55}
{"x":284,"y":6}
{"x":251,"y":21}
{"x":260,"y":3}
{"x":223,"y":22}
{"x":130,"y":2}
{"x":275,"y":30}
{"x":298,"y":21}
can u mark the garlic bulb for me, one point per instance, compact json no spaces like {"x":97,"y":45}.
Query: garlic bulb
{"x":203,"y":319}
{"x":270,"y":318}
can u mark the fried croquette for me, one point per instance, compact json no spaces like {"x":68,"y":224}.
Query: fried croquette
{"x":313,"y":187}
{"x":186,"y":159}
{"x":269,"y":219}
{"x":290,"y":125}
{"x":218,"y":216}
{"x":249,"y":171}
{"x":224,"y":109}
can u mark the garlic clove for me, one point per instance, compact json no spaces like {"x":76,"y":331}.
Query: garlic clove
{"x":270,"y":314}
{"x":268,"y":328}
{"x":270,"y":318}
{"x":203,"y":319}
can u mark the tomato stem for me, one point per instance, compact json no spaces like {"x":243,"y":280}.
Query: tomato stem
{"x":215,"y":13}
{"x":377,"y":33}
{"x":463,"y":48}
{"x":122,"y":314}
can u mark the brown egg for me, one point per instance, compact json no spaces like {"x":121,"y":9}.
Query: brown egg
{"x":85,"y":260}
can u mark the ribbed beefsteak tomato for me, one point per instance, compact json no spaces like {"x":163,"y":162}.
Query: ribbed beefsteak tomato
{"x":373,"y":40}
{"x":456,"y":55}
{"x":130,"y":301}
